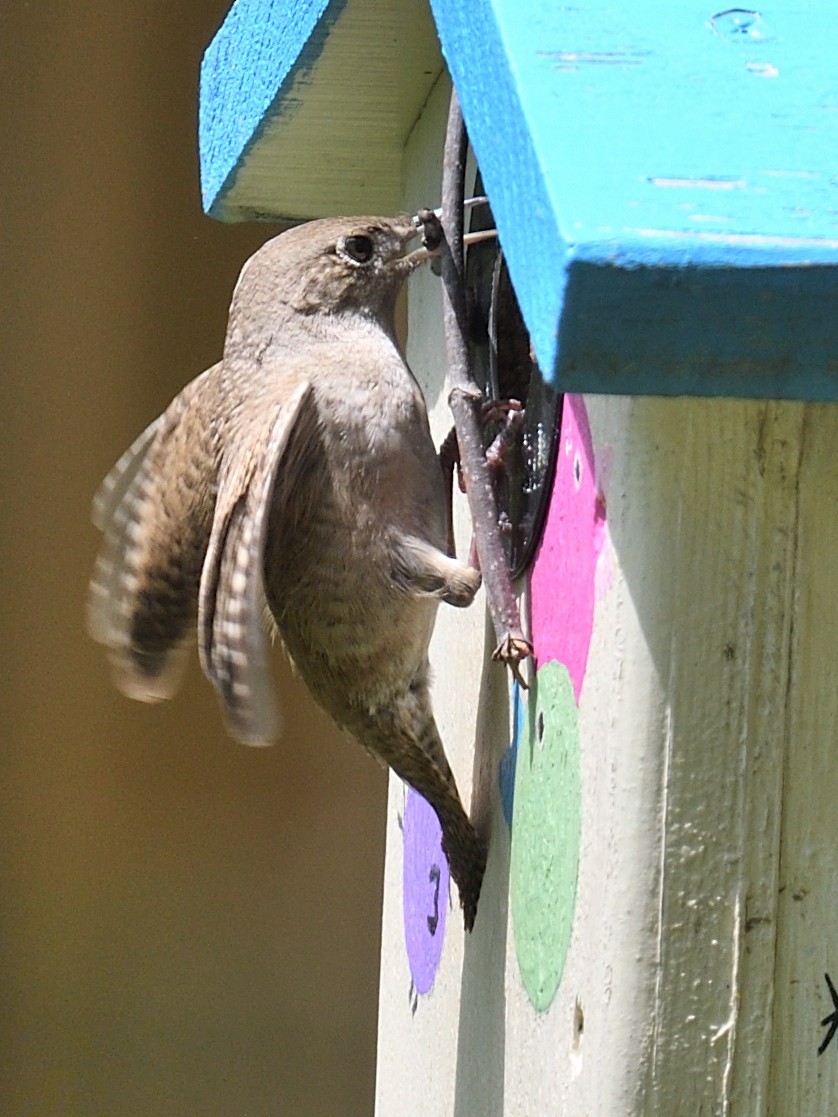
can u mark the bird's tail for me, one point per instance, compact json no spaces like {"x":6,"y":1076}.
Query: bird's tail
{"x":404,"y":735}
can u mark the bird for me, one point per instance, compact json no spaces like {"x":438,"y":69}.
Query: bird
{"x":297,"y":480}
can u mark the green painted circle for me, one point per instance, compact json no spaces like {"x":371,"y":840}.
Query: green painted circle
{"x":546,"y":831}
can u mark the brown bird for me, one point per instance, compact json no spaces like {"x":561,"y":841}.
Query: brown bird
{"x":299,"y":472}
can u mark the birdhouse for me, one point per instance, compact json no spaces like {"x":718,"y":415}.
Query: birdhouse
{"x":655,"y":924}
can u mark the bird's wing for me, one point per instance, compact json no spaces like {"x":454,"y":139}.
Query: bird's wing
{"x":113,"y":490}
{"x":232,"y":640}
{"x":154,"y":509}
{"x":115,"y":510}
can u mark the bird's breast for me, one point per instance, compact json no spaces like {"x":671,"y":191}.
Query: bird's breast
{"x":372,"y":475}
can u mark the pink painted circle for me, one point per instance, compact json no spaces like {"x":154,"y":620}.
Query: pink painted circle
{"x":563,"y":577}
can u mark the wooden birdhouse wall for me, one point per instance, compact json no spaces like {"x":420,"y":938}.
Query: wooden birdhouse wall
{"x":651,"y":929}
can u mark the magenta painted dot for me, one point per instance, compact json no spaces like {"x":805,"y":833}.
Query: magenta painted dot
{"x":425,"y":890}
{"x":563,"y":576}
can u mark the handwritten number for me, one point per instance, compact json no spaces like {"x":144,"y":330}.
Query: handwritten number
{"x":433,"y":920}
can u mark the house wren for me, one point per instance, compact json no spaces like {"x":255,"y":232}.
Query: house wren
{"x":299,"y":471}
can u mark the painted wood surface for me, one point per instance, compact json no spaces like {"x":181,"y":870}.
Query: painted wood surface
{"x":661,"y":174}
{"x":656,"y":922}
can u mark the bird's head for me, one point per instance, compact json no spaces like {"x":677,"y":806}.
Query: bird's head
{"x":332,"y":267}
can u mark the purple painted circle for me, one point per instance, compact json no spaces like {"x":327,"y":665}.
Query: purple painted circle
{"x":425,"y":890}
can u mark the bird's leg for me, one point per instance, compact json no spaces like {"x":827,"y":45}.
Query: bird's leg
{"x":510,"y":414}
{"x":424,"y":570}
{"x":449,"y":460}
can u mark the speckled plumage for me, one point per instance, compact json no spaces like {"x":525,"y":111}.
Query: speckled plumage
{"x":300,"y":471}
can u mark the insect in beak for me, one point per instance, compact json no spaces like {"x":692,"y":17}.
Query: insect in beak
{"x":428,"y":223}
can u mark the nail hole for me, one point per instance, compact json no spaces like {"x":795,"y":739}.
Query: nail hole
{"x":738,"y":23}
{"x":576,"y":1045}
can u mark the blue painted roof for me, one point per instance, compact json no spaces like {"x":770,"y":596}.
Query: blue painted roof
{"x":664,"y":180}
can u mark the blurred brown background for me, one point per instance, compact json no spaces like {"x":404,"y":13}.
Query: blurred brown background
{"x":189,"y":927}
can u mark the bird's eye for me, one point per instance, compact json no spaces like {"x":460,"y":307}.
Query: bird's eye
{"x":358,"y":249}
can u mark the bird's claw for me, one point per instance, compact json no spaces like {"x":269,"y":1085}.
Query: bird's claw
{"x":510,"y":414}
{"x":512,"y":649}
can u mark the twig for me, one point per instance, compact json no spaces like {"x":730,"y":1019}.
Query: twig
{"x":466,"y":402}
